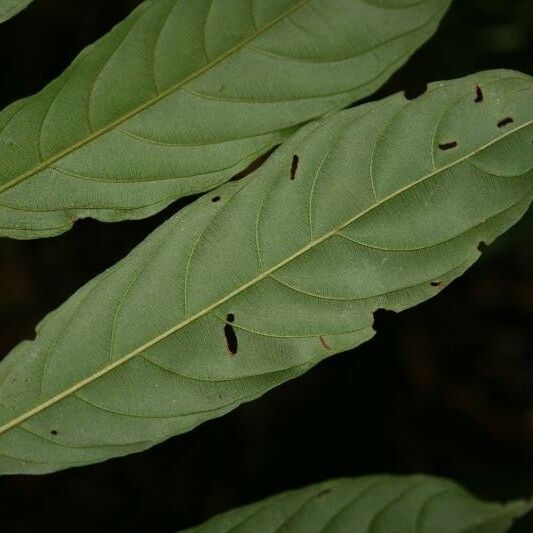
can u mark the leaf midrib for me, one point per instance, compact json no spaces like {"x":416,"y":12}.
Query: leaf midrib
{"x":98,"y":133}
{"x":124,"y":359}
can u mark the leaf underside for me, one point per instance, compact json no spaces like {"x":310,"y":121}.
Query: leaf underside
{"x":379,"y":206}
{"x":10,"y":8}
{"x":376,"y":504}
{"x":182,"y":95}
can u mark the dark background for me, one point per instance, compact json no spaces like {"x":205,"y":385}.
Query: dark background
{"x":445,"y":388}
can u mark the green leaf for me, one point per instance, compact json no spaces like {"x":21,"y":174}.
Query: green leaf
{"x":376,"y":504}
{"x":10,"y":8}
{"x":183,"y":95}
{"x":263,"y":278}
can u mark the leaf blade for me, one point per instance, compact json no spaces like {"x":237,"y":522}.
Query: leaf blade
{"x":149,"y":114}
{"x":282,"y":281}
{"x":10,"y":8}
{"x":379,"y":503}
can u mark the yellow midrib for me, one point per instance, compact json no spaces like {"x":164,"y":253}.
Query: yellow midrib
{"x":95,"y":135}
{"x":119,"y":362}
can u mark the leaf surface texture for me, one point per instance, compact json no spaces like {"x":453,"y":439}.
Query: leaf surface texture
{"x":371,"y":504}
{"x":182,"y":95}
{"x":261,"y":279}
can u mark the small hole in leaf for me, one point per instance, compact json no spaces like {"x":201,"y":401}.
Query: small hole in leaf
{"x":435,"y":283}
{"x":482,"y":246}
{"x":382,"y":318}
{"x":448,"y":146}
{"x":215,"y":199}
{"x":415,"y":91}
{"x":231,"y":339}
{"x":53,"y":432}
{"x":479,"y":95}
{"x":231,"y":336}
{"x":294,"y":166}
{"x":504,"y":121}
{"x":324,"y":343}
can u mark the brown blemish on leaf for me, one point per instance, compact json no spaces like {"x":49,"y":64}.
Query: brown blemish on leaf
{"x":324,"y":343}
{"x":504,"y":121}
{"x":479,"y":95}
{"x":294,"y":166}
{"x":448,"y":146}
{"x":231,"y":336}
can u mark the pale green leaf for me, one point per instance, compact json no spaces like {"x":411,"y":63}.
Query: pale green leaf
{"x":184,"y":94}
{"x":10,"y":8}
{"x":371,"y":504}
{"x":377,"y":216}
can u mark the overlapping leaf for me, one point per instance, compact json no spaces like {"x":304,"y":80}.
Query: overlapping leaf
{"x":375,"y":207}
{"x":9,"y":8}
{"x":372,"y":504}
{"x":184,"y":94}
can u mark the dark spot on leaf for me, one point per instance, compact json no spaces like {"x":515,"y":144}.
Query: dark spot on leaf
{"x":482,"y":246}
{"x":294,"y":166}
{"x":215,"y":199}
{"x":435,"y":283}
{"x":231,"y":336}
{"x":323,"y":493}
{"x":414,"y":91}
{"x":324,"y":343}
{"x":382,"y":318}
{"x":53,"y":432}
{"x":448,"y":146}
{"x":504,"y":121}
{"x":479,"y":95}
